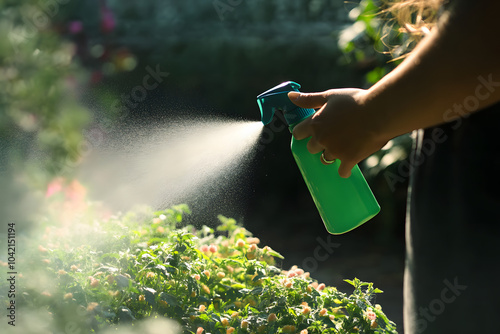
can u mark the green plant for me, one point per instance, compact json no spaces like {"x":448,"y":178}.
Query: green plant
{"x":103,"y":272}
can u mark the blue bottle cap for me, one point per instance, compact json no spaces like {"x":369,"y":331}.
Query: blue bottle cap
{"x":276,"y":98}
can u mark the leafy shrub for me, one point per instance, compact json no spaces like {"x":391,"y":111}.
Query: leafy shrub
{"x":144,"y":265}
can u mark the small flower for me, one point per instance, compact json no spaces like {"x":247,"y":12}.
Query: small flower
{"x":42,"y":249}
{"x":253,"y":240}
{"x":94,"y":282}
{"x":314,"y":284}
{"x":156,"y":220}
{"x":196,"y":277}
{"x":323,"y":312}
{"x":321,"y":287}
{"x":307,"y":274}
{"x":240,"y":243}
{"x":244,"y":324}
{"x":202,"y":308}
{"x":61,"y":272}
{"x":289,"y":329}
{"x":199,"y":330}
{"x":304,"y":331}
{"x":237,"y":304}
{"x":309,"y":289}
{"x":46,"y":261}
{"x":193,"y":294}
{"x":206,"y":273}
{"x":373,"y":324}
{"x":162,"y":217}
{"x":92,"y":306}
{"x":221,"y":275}
{"x":142,"y":298}
{"x":46,"y":294}
{"x":288,"y":284}
{"x":371,"y":315}
{"x":306,"y":310}
{"x":160,"y":229}
{"x":204,"y":248}
{"x":224,"y":322}
{"x":205,"y":288}
{"x":304,"y":304}
{"x":272,"y":317}
{"x":378,"y":307}
{"x":235,"y":315}
{"x":299,"y":271}
{"x":114,"y":293}
{"x":67,"y":296}
{"x":252,"y":248}
{"x":212,"y":249}
{"x":230,"y":330}
{"x":331,"y":316}
{"x":74,"y":268}
{"x":150,"y":274}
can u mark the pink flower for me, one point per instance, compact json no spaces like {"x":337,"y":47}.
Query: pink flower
{"x":54,"y":187}
{"x":107,"y":18}
{"x":199,"y":330}
{"x":204,"y":248}
{"x":75,"y":27}
{"x":212,"y":248}
{"x":371,"y":315}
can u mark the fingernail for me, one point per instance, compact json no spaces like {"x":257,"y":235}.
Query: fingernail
{"x":293,"y":95}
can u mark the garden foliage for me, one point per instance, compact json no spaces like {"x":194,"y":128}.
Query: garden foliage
{"x":141,"y":265}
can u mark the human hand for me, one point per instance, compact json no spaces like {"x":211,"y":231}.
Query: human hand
{"x":343,"y":127}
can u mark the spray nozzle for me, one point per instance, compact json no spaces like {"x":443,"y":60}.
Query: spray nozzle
{"x":276,"y":98}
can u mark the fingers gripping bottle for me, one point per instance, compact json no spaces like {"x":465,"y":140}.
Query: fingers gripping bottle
{"x":343,"y":204}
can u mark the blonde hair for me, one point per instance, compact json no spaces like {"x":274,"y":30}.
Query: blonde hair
{"x":414,"y":18}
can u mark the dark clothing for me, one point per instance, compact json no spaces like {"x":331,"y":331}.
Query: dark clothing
{"x":453,"y":228}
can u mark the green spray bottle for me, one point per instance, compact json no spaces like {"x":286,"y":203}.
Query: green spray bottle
{"x":343,"y":204}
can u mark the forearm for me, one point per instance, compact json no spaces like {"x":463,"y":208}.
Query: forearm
{"x":445,"y":77}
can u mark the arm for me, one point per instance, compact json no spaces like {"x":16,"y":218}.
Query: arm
{"x":435,"y":84}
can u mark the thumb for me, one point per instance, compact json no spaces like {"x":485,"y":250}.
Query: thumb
{"x":308,"y":100}
{"x":345,"y":169}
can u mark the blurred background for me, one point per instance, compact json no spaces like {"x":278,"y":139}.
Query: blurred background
{"x":72,"y":75}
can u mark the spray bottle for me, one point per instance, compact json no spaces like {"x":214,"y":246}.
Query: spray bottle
{"x":343,"y":204}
